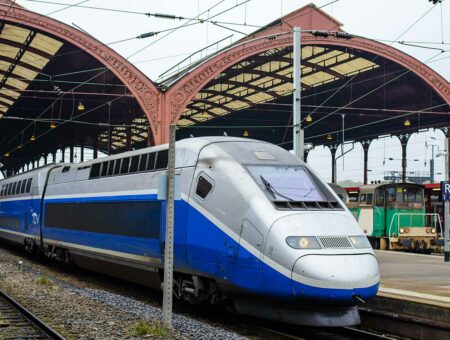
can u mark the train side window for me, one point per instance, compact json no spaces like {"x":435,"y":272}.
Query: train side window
{"x":2,"y":190}
{"x":110,"y":168}
{"x":104,"y":169}
{"x":13,"y":191}
{"x":143,"y":163}
{"x":117,"y":167}
{"x":379,"y":197}
{"x":8,"y":189}
{"x":19,"y":184}
{"x":362,"y":198}
{"x":125,"y":165}
{"x":134,"y":164}
{"x":369,"y":199}
{"x":23,"y":187}
{"x":151,"y":161}
{"x":95,"y":170}
{"x":162,"y":160}
{"x":203,"y":187}
{"x":28,"y":189}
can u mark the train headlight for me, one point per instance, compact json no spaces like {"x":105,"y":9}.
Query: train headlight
{"x":402,"y":230}
{"x":303,"y":242}
{"x":360,"y":242}
{"x":433,"y":230}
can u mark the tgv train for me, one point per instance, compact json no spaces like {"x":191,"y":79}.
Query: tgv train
{"x":255,"y":228}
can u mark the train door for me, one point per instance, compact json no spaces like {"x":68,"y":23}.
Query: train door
{"x":366,"y":215}
{"x":379,"y":213}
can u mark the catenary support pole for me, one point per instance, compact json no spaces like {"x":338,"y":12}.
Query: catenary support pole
{"x":298,"y":139}
{"x":168,"y":249}
{"x":446,"y":203}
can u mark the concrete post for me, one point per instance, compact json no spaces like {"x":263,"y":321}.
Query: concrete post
{"x":168,"y":251}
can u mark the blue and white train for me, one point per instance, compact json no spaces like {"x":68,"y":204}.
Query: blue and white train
{"x":255,"y":227}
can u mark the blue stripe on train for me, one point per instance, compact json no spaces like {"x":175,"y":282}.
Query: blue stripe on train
{"x":211,"y":252}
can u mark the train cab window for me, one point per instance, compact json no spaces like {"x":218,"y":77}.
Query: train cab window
{"x":104,"y":169}
{"x":117,"y":167}
{"x":203,"y":187}
{"x":28,"y":189}
{"x":391,"y":195}
{"x":95,"y":170}
{"x":162,"y":160}
{"x":412,"y":195}
{"x":379,"y":197}
{"x":151,"y":162}
{"x":125,"y":165}
{"x":369,"y":199}
{"x":362,"y":198}
{"x":66,"y":169}
{"x":134,"y":164}
{"x":143,"y":163}
{"x":110,"y":168}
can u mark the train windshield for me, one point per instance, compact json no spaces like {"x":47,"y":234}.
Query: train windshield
{"x":288,"y":183}
{"x":407,"y":194}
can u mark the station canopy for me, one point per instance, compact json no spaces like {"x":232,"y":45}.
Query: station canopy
{"x":55,"y":94}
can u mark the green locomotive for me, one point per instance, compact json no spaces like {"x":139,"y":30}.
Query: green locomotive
{"x":393,"y":216}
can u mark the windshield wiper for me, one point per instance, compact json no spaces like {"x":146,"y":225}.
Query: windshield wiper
{"x":272,"y":190}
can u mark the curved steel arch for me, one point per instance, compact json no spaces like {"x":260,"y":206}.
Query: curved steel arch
{"x":142,"y":88}
{"x":182,"y":92}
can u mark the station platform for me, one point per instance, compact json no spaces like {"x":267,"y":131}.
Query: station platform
{"x":415,"y":277}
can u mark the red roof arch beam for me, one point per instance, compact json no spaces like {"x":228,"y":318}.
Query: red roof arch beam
{"x":194,"y":96}
{"x":137,"y":84}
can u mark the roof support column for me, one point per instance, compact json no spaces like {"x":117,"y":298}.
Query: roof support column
{"x":71,"y":154}
{"x":333,"y":149}
{"x":95,"y":148}
{"x":82,"y":153}
{"x":298,"y":139}
{"x":54,"y":156}
{"x":404,"y":142}
{"x":45,"y":159}
{"x":63,"y":154}
{"x":366,"y":145}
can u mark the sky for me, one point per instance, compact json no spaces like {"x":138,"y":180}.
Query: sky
{"x":386,"y":20}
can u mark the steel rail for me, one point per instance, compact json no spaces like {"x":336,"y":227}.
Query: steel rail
{"x":33,"y":319}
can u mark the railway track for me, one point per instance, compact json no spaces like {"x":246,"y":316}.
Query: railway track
{"x":285,"y":331}
{"x":16,"y":322}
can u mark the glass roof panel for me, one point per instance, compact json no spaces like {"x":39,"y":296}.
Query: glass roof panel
{"x":14,"y":33}
{"x":46,"y":44}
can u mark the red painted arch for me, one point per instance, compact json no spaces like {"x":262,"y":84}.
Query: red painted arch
{"x":140,"y":86}
{"x":309,"y":17}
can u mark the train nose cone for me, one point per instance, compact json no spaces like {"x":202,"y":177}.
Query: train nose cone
{"x":337,"y":276}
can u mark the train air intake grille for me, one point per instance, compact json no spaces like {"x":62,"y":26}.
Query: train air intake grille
{"x":330,"y":242}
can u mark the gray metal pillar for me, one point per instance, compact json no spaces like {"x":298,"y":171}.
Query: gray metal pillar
{"x":298,"y":139}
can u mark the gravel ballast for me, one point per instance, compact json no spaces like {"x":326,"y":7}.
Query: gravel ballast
{"x":80,"y":305}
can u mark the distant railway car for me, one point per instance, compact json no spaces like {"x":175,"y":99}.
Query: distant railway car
{"x":433,"y":202}
{"x":393,"y":216}
{"x":255,"y":228}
